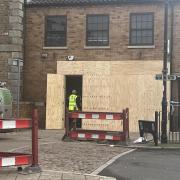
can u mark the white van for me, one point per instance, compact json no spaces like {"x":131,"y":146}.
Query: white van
{"x":5,"y":103}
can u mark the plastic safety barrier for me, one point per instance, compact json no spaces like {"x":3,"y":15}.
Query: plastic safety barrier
{"x":76,"y":133}
{"x":19,"y":159}
{"x":15,"y":123}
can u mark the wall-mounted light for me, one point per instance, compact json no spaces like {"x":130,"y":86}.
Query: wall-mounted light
{"x":44,"y":55}
{"x":70,"y":58}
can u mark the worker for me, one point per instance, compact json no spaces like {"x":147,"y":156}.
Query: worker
{"x":73,"y":101}
{"x":74,"y":105}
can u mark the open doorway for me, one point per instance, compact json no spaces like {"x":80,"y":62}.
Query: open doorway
{"x":74,"y":82}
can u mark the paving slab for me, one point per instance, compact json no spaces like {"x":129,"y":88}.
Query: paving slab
{"x":57,"y":157}
{"x":49,"y":175}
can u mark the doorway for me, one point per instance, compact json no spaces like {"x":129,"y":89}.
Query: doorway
{"x":74,"y":82}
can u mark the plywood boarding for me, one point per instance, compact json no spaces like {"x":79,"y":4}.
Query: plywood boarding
{"x":83,"y":67}
{"x":96,"y":98}
{"x":114,"y":85}
{"x":109,"y":67}
{"x":141,"y":93}
{"x":55,"y":99}
{"x":135,"y":67}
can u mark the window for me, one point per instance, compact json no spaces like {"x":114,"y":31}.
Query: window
{"x":142,"y":29}
{"x":97,"y":30}
{"x":55,"y":31}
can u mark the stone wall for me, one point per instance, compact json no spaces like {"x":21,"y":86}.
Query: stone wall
{"x":11,"y":40}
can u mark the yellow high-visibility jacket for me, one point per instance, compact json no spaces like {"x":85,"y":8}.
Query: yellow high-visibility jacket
{"x":72,"y":102}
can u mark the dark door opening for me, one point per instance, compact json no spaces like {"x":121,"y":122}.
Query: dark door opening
{"x":74,"y":83}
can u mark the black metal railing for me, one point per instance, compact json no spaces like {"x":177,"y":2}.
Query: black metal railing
{"x":173,"y":130}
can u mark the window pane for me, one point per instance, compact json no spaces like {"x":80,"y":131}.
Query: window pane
{"x":105,"y":19}
{"x":97,"y":30}
{"x":55,"y":39}
{"x":55,"y":31}
{"x":92,"y":26}
{"x":147,"y":33}
{"x":133,"y":40}
{"x":134,"y":25}
{"x":141,"y":32}
{"x":147,"y":25}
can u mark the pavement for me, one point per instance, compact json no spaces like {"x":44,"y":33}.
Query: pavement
{"x":61,"y":160}
{"x":58,"y":159}
{"x":11,"y":174}
{"x":172,"y":144}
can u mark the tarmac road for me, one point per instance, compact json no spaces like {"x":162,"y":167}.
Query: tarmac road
{"x":146,"y":165}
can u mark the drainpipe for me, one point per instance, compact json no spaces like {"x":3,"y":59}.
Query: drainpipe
{"x":24,"y":46}
{"x":165,"y":72}
{"x":171,"y":57}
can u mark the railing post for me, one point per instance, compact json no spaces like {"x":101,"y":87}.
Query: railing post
{"x":126,"y":123}
{"x":67,"y":123}
{"x":34,"y":168}
{"x":35,"y":138}
{"x":156,"y":128}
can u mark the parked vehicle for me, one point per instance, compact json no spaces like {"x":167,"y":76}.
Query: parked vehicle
{"x":5,"y":103}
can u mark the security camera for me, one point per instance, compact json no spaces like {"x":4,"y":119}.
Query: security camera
{"x":70,"y":58}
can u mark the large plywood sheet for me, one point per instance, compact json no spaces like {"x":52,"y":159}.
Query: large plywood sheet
{"x":83,"y":67}
{"x":55,"y":102}
{"x":114,"y":85}
{"x":96,"y":98}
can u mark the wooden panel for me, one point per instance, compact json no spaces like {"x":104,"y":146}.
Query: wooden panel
{"x":141,"y":93}
{"x":114,"y":85}
{"x":55,"y":102}
{"x":96,"y":98}
{"x":96,"y":93}
{"x":70,"y":67}
{"x":135,"y":67}
{"x":83,"y":67}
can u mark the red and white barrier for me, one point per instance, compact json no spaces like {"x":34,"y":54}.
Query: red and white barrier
{"x":97,"y":134}
{"x":13,"y":159}
{"x":18,"y":159}
{"x":101,"y":115}
{"x":15,"y":124}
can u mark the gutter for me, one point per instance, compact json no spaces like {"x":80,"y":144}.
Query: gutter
{"x":116,"y":2}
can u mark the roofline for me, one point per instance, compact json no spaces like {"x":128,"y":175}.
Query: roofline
{"x":29,"y":5}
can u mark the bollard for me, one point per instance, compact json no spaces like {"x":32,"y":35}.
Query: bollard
{"x":127,"y":120}
{"x":156,"y":129}
{"x":34,"y":168}
{"x":35,"y":138}
{"x":126,"y":123}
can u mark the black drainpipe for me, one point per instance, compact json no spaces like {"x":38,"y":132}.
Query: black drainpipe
{"x":24,"y":41}
{"x":171,"y":59}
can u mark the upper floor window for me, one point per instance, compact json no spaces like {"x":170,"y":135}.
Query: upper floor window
{"x":142,"y":29}
{"x":55,"y":31}
{"x":97,"y":30}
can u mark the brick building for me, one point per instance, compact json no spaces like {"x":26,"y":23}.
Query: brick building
{"x":11,"y":41}
{"x":74,"y":15}
{"x":102,"y":31}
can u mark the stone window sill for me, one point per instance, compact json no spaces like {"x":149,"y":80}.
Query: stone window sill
{"x":54,"y":48}
{"x":141,"y":47}
{"x":97,"y":47}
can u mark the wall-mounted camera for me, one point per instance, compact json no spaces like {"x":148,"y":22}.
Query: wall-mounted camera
{"x":70,"y":58}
